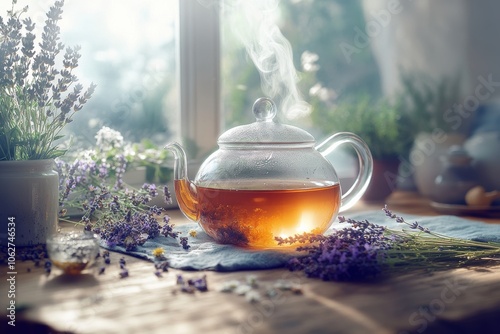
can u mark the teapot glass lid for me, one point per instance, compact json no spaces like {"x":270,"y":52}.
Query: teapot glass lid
{"x":265,"y":130}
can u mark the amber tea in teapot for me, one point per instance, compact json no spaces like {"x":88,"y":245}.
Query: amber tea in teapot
{"x":267,"y":180}
{"x":253,"y":218}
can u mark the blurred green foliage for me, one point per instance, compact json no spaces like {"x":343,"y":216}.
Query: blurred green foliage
{"x":426,"y":100}
{"x":387,"y":130}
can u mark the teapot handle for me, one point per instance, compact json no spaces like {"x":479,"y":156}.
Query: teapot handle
{"x":357,"y":190}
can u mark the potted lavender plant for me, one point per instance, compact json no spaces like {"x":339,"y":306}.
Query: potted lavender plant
{"x":37,"y":100}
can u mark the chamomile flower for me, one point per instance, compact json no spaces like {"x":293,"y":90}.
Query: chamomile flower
{"x":158,"y":252}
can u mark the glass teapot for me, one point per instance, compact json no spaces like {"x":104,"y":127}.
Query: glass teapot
{"x":267,"y":180}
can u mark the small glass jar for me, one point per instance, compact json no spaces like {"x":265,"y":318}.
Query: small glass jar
{"x":72,"y":252}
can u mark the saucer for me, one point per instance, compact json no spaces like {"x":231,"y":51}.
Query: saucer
{"x":466,"y":210}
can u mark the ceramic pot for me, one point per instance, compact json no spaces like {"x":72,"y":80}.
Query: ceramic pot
{"x":29,"y":198}
{"x":425,"y":158}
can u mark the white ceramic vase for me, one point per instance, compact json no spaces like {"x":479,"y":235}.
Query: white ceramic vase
{"x":29,"y":198}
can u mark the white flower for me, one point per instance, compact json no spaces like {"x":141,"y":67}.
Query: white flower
{"x":86,"y":155}
{"x":107,"y":139}
{"x":308,"y":60}
{"x":323,"y":93}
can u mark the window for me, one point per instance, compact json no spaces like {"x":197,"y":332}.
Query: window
{"x":129,"y":50}
{"x":180,"y":70}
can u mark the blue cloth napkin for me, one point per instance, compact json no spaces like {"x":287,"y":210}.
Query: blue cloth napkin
{"x":205,"y":254}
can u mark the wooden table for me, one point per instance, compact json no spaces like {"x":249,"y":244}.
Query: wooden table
{"x":453,"y":301}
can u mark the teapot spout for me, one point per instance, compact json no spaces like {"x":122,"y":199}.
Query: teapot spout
{"x":185,"y":190}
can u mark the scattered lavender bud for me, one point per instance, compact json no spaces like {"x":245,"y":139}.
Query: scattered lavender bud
{"x":166,"y":195}
{"x":124,"y":273}
{"x":158,"y":273}
{"x":201,"y":284}
{"x":106,"y":257}
{"x":168,"y":229}
{"x":184,"y":242}
{"x":163,"y":266}
{"x":101,"y":270}
{"x":187,"y":288}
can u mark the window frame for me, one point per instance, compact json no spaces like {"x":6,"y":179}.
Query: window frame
{"x":199,"y":74}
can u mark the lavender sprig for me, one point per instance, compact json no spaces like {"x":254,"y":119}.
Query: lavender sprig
{"x":121,"y":214}
{"x":350,"y":254}
{"x":414,"y":226}
{"x":363,"y":250}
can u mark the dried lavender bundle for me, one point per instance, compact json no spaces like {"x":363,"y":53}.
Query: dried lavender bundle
{"x":364,"y":250}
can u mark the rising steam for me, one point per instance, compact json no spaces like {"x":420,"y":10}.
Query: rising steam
{"x":254,"y":23}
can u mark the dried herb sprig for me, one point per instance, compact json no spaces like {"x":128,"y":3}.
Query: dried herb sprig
{"x":37,"y":99}
{"x":422,"y":248}
{"x":363,"y":250}
{"x":119,"y":213}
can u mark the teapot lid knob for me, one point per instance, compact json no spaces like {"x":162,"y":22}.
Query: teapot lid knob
{"x":265,"y":131}
{"x":264,"y":109}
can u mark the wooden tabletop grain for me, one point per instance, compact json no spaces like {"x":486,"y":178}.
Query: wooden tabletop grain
{"x":448,"y":301}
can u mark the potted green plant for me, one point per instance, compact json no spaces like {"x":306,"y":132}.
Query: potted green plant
{"x":382,"y":126}
{"x":37,"y":99}
{"x":429,"y":105}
